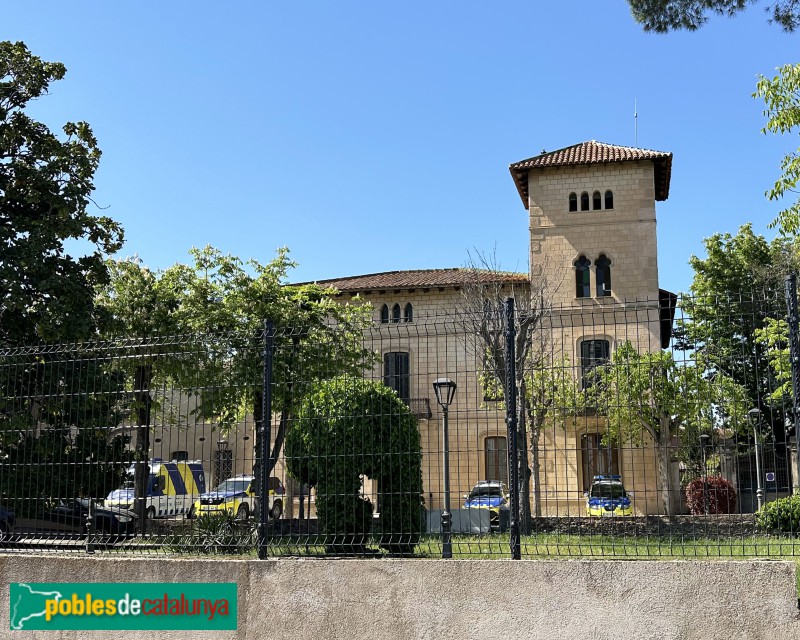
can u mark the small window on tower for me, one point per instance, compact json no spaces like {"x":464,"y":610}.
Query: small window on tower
{"x":609,"y":199}
{"x":573,"y":201}
{"x":596,"y":201}
{"x":584,"y":201}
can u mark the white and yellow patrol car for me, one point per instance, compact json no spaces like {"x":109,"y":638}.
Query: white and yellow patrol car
{"x":172,"y":488}
{"x":237,"y":496}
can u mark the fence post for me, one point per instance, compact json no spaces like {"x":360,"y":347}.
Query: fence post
{"x":511,"y":423}
{"x":265,"y":435}
{"x":794,"y":359}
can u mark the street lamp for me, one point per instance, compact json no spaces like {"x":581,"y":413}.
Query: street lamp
{"x":445,"y":390}
{"x":704,"y":438}
{"x":755,"y":417}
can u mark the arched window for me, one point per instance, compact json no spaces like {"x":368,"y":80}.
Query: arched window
{"x":384,"y":314}
{"x":396,"y":312}
{"x":573,"y":201}
{"x":408,"y":313}
{"x":603,"y":276}
{"x":582,"y":288}
{"x":609,"y":199}
{"x":596,"y":201}
{"x":584,"y":201}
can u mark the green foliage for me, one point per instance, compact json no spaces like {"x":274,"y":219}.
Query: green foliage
{"x":781,"y":96}
{"x":54,"y":420}
{"x":348,"y":427}
{"x":45,"y":193}
{"x":222,"y":297}
{"x":649,"y":393}
{"x":781,"y":515}
{"x":737,"y":292}
{"x":773,"y":339}
{"x":661,"y":16}
{"x":214,"y":533}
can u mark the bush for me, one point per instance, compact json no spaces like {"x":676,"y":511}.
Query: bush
{"x":719,"y":493}
{"x":348,"y":428}
{"x":214,"y":533}
{"x":782,"y":514}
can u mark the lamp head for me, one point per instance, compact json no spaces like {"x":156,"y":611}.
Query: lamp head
{"x":445,"y":390}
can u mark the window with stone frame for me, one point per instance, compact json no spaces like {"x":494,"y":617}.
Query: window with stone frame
{"x":583,"y":287}
{"x":496,"y":454}
{"x":602,"y":274}
{"x":397,"y":373}
{"x":594,"y":354}
{"x":573,"y":201}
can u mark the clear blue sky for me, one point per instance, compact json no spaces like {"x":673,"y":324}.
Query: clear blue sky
{"x":376,"y":136}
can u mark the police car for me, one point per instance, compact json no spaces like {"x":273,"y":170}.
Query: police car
{"x":491,"y":495}
{"x":607,"y":497}
{"x":237,"y":496}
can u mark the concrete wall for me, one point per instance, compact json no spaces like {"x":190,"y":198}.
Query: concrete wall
{"x":408,"y":599}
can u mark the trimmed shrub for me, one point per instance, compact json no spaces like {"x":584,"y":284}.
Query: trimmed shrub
{"x":781,"y":515}
{"x":348,"y":428}
{"x":214,"y":533}
{"x":719,"y":493}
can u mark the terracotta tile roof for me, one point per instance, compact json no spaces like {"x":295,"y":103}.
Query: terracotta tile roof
{"x":415,"y":279}
{"x":593,"y":152}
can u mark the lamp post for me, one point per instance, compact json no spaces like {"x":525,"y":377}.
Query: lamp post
{"x":445,"y":390}
{"x":755,"y":417}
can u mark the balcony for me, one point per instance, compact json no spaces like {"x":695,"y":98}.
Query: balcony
{"x":420,"y":407}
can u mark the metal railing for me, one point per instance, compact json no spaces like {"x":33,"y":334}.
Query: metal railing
{"x":624,"y":448}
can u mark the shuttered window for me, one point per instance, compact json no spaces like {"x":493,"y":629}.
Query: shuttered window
{"x":397,"y":373}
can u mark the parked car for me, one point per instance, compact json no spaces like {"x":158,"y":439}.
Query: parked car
{"x":607,"y":497}
{"x":237,"y":496}
{"x":70,"y":519}
{"x":7,"y":521}
{"x":491,"y":495}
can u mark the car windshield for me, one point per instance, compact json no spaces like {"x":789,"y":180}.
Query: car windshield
{"x":234,"y":485}
{"x":485,"y":492}
{"x":608,"y":490}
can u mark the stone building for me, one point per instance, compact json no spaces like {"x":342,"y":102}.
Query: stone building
{"x":592,"y":225}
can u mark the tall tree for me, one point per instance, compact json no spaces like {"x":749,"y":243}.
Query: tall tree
{"x":484,"y":290}
{"x":661,"y":16}
{"x":225,"y":301}
{"x":781,"y":96}
{"x":737,"y":288}
{"x":649,"y":394}
{"x":45,"y":195}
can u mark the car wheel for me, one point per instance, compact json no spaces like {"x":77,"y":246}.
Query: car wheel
{"x":277,"y":510}
{"x":151,"y":513}
{"x":242,"y":512}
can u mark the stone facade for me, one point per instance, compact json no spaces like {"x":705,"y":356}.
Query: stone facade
{"x":623,"y":229}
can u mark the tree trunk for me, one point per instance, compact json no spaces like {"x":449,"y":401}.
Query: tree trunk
{"x":661,"y":443}
{"x":536,"y":466}
{"x":523,"y":471}
{"x":141,"y":477}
